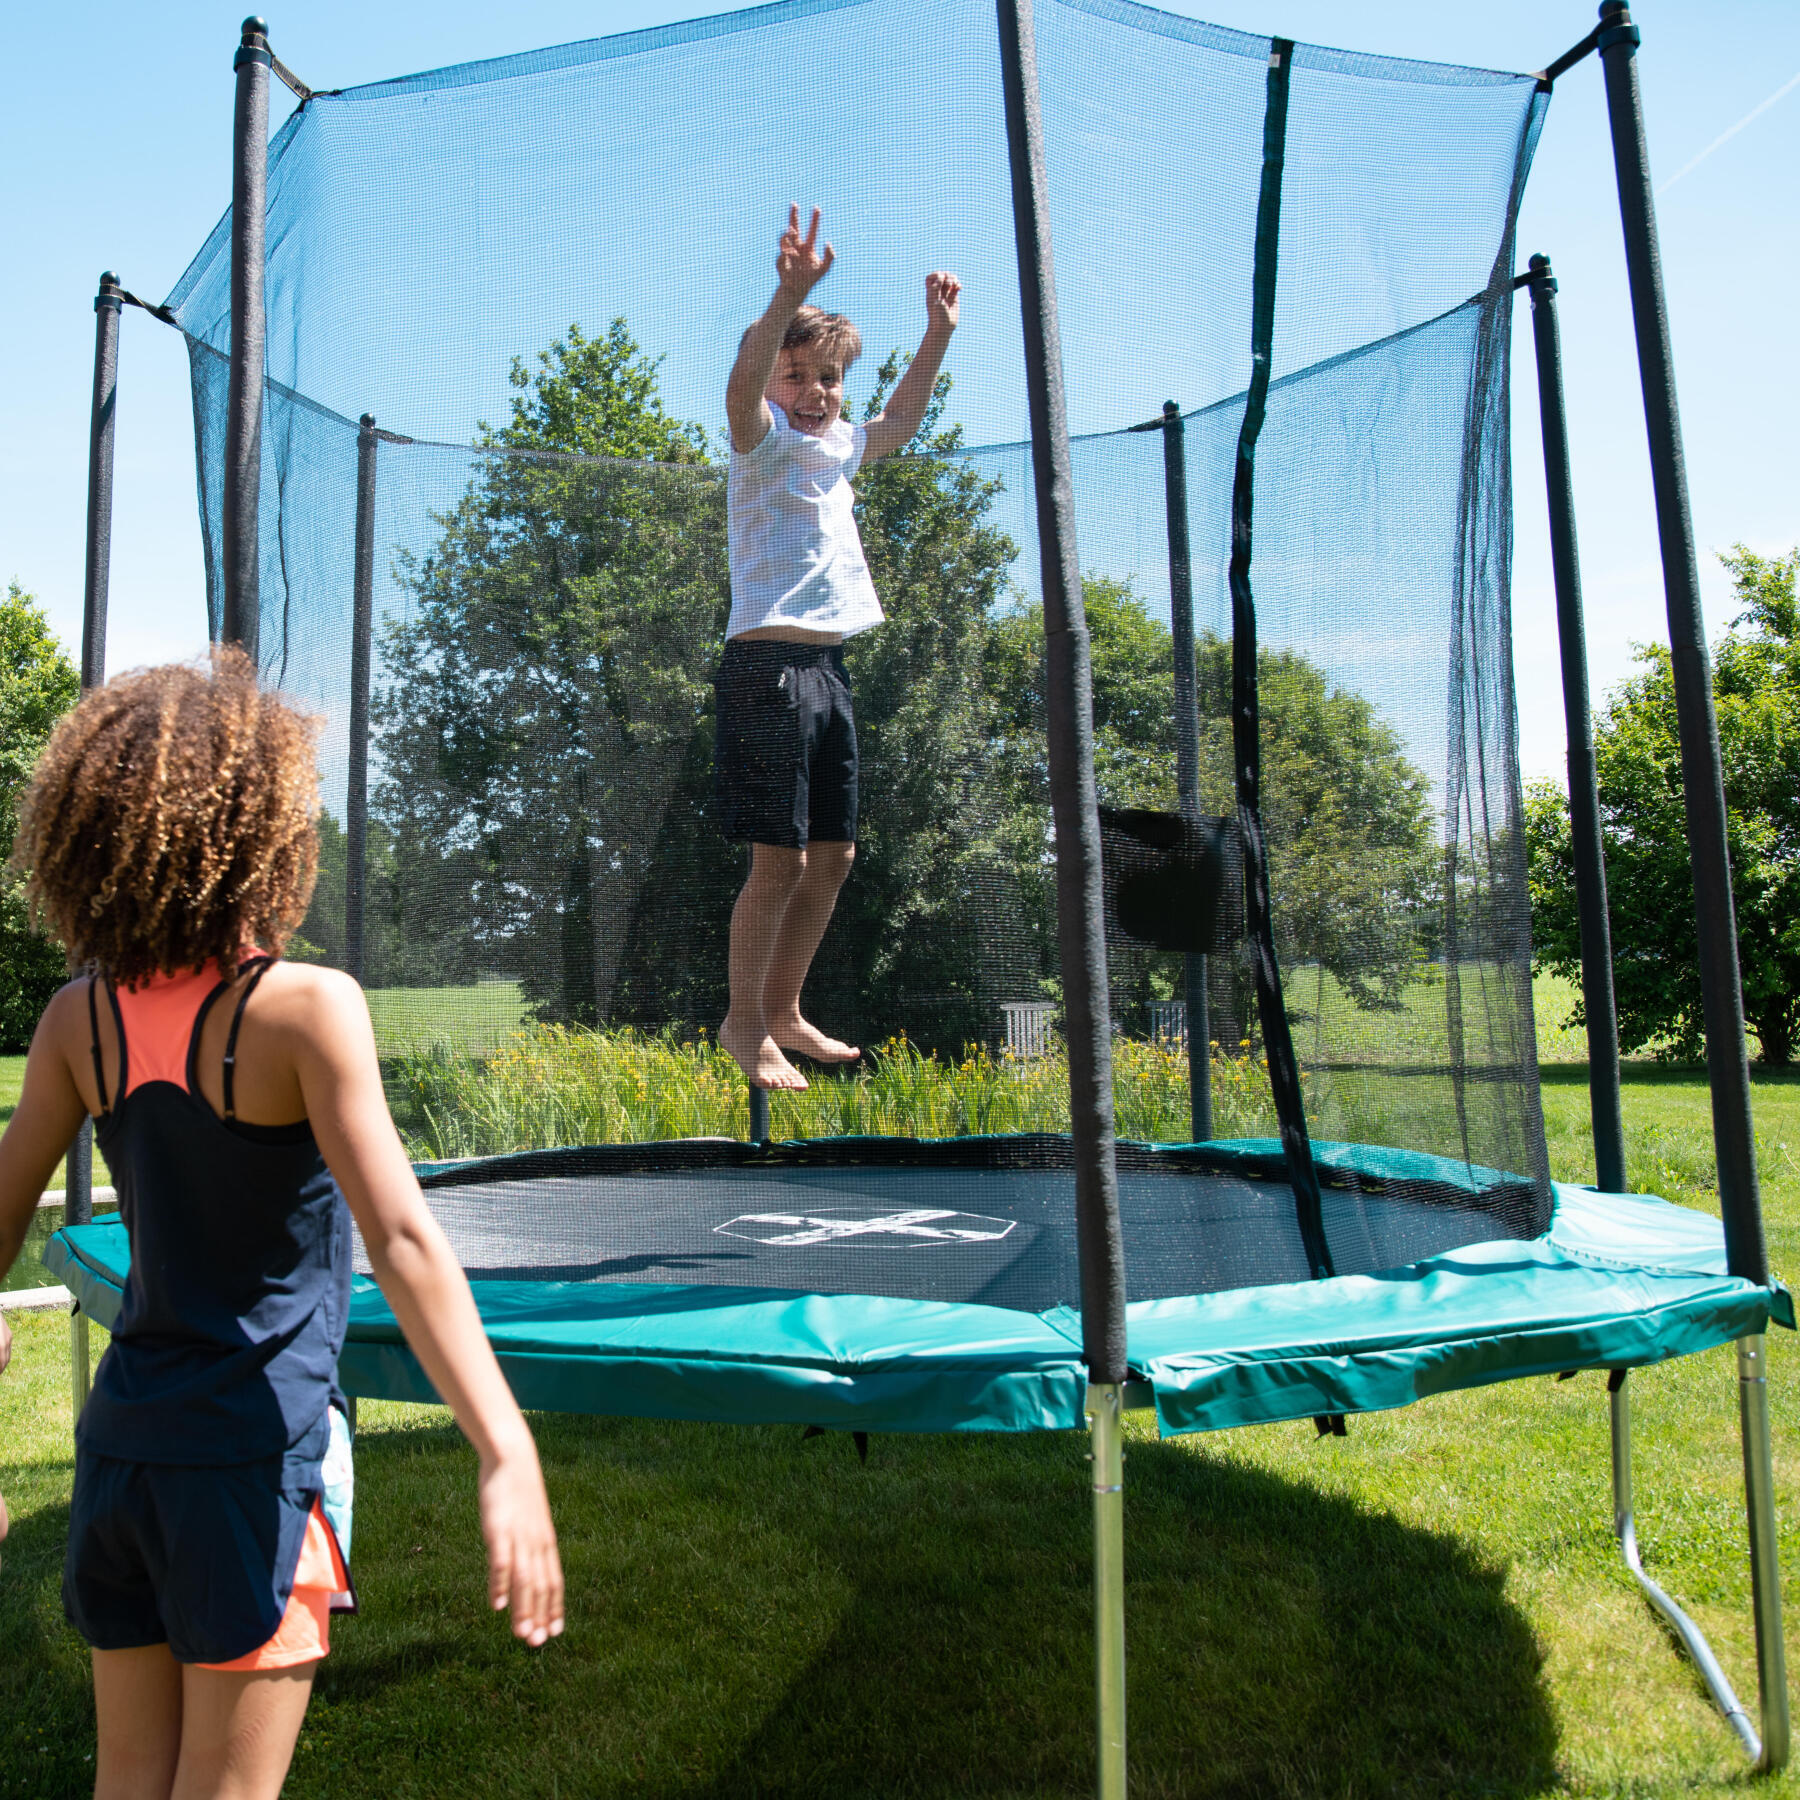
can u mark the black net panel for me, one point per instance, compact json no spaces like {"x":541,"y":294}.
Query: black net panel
{"x":533,"y":274}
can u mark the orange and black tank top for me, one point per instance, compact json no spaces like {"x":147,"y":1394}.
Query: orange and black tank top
{"x":226,"y":1346}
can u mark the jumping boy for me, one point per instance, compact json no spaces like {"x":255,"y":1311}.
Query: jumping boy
{"x":786,"y":756}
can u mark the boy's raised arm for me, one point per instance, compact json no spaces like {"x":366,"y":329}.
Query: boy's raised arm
{"x":905,"y":411}
{"x":799,"y":267}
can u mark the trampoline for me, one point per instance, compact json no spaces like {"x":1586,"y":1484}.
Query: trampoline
{"x":1189,"y":748}
{"x":733,"y":1284}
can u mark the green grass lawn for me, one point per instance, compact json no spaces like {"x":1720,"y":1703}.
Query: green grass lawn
{"x":1431,"y":1606}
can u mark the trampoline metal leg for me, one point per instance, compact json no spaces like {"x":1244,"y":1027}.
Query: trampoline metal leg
{"x":1105,"y":1410}
{"x":1625,"y":1530}
{"x":79,"y":1375}
{"x":1765,"y":1565}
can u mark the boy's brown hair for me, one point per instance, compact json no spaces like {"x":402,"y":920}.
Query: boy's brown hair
{"x":169,"y":823}
{"x":832,"y":332}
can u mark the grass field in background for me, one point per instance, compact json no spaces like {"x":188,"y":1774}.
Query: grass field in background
{"x":1433,"y":1605}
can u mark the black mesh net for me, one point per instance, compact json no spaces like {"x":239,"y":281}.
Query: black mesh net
{"x":533,"y":274}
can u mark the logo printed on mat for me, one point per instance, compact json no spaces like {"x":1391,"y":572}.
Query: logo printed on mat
{"x":912,"y":1228}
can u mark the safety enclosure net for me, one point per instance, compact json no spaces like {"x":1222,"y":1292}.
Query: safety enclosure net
{"x":505,"y":594}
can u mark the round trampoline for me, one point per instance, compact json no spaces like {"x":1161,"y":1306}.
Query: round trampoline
{"x":1188,"y":743}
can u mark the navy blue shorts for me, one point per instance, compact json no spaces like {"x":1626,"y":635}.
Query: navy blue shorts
{"x":785,"y":757}
{"x":200,"y":1559}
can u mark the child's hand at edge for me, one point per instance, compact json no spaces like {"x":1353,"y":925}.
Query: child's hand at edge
{"x":943,"y":292}
{"x":799,"y":265}
{"x":524,"y":1571}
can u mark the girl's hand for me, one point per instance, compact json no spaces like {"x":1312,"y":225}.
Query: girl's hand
{"x":524,"y":1571}
{"x":942,"y":293}
{"x":799,"y":265}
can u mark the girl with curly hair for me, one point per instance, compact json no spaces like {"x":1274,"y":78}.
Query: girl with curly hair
{"x":167,"y":838}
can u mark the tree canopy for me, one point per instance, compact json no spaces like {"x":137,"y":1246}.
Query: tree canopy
{"x":38,"y":684}
{"x":1650,"y":891}
{"x":544,"y":725}
{"x":1353,"y":865}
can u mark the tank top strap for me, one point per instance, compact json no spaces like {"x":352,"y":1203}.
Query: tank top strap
{"x":259,"y":967}
{"x":94,"y":1040}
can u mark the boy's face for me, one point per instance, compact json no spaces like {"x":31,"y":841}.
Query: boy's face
{"x":808,"y":385}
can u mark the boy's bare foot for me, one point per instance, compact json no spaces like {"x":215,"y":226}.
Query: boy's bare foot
{"x":798,"y":1035}
{"x":759,"y":1056}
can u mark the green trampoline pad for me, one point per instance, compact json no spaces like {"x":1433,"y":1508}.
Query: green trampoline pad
{"x":1617,"y":1281}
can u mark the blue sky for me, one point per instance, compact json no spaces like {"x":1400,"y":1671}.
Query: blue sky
{"x":114,"y":127}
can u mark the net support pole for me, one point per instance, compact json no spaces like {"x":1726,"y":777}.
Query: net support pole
{"x":1187,"y":750}
{"x":1075,"y":811}
{"x":109,"y":304}
{"x":1625,"y":1530}
{"x":1703,"y":790}
{"x":362,"y":624}
{"x":243,"y":421}
{"x":1584,"y":787}
{"x":1106,"y":1422}
{"x":1703,"y":794}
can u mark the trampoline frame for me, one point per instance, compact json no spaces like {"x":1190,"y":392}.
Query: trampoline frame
{"x":1110,"y":1391}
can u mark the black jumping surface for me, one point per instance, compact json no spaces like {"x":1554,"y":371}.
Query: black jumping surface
{"x":918,"y":1225}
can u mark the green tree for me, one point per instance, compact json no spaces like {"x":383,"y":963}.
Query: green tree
{"x":545,"y":721}
{"x":1650,"y":891}
{"x":545,"y":693}
{"x":38,"y":684}
{"x":937,"y":926}
{"x":1354,"y":870}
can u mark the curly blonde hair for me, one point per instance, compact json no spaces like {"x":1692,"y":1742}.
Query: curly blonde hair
{"x":169,"y":822}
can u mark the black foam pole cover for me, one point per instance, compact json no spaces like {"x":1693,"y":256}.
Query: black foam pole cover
{"x":242,"y":498}
{"x":1702,"y":777}
{"x":362,"y":617}
{"x":1068,"y":690}
{"x":1584,"y":787}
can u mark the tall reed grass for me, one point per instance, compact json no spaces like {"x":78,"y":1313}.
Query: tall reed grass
{"x":547,"y":1085}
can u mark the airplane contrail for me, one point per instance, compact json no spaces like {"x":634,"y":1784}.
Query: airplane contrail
{"x":1725,"y":137}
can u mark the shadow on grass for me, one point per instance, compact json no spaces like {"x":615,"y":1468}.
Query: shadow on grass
{"x":754,"y":1616}
{"x":1280,"y":1642}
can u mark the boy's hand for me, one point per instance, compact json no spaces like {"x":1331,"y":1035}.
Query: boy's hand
{"x":799,"y":265}
{"x":942,"y":293}
{"x":524,"y":1572}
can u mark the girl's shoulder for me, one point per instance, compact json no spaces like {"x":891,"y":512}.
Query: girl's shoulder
{"x":304,"y":987}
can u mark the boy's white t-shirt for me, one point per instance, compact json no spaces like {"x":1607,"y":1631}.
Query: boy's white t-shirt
{"x":796,"y":555}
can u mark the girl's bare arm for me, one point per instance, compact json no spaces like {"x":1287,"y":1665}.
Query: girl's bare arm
{"x":324,"y":1016}
{"x":49,"y":1113}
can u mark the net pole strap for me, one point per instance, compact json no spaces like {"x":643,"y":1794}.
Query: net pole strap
{"x":1586,"y":841}
{"x":1074,"y":802}
{"x":1702,"y":779}
{"x":243,"y":425}
{"x":1246,"y":730}
{"x":1187,"y":750}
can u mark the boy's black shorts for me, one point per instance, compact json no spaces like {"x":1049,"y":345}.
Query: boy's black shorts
{"x":784,"y":764}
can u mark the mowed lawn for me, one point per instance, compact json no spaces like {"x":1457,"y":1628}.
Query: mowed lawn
{"x":1431,"y":1606}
